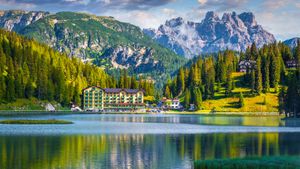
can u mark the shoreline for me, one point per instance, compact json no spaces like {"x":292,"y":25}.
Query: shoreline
{"x":208,"y":113}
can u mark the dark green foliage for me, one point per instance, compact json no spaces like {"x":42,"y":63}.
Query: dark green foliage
{"x":258,"y":76}
{"x":29,"y":69}
{"x":51,"y":121}
{"x":197,"y":98}
{"x":180,"y":81}
{"x":253,"y":163}
{"x":208,"y":77}
{"x":266,"y":74}
{"x":228,"y":84}
{"x":268,"y":71}
{"x":187,"y":98}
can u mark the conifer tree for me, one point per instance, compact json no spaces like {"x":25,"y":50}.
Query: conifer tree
{"x":180,"y":81}
{"x":167,"y":92}
{"x":187,"y":98}
{"x":228,"y":87}
{"x":241,"y":100}
{"x":258,"y":76}
{"x":265,"y":74}
{"x":197,"y":98}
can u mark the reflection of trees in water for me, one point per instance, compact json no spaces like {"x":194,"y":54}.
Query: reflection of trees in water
{"x":203,"y":119}
{"x":138,"y":151}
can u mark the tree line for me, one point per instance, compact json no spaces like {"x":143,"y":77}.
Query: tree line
{"x":208,"y":74}
{"x":30,"y":69}
{"x":289,"y":95}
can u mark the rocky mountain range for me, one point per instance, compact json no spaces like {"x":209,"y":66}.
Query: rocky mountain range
{"x":101,"y":40}
{"x":212,"y":34}
{"x":16,"y":20}
{"x":292,"y":43}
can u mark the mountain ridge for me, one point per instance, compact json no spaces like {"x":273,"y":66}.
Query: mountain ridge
{"x":104,"y":40}
{"x":292,"y":43}
{"x":231,"y":31}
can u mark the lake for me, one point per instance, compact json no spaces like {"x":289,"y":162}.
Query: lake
{"x":142,"y":141}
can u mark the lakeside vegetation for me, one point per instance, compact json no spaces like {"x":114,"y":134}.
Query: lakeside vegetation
{"x":50,"y":121}
{"x":215,"y":82}
{"x":265,"y":102}
{"x":253,"y":163}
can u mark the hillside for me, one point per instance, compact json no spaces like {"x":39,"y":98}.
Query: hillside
{"x":103,"y":41}
{"x":31,"y":70}
{"x":239,"y":82}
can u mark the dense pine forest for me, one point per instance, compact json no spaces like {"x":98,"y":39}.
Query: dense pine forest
{"x":29,"y":69}
{"x":269,"y":73}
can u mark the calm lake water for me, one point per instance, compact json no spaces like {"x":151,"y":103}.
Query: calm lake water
{"x":142,"y":141}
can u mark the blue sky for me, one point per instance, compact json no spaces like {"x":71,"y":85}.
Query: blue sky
{"x":280,"y":17}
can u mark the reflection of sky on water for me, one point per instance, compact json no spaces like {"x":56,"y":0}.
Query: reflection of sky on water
{"x":148,"y":124}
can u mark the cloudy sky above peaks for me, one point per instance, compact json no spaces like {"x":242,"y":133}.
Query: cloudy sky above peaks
{"x":280,"y":17}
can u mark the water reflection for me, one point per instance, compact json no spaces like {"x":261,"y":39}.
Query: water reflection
{"x":190,"y":119}
{"x":271,"y":121}
{"x":139,"y":151}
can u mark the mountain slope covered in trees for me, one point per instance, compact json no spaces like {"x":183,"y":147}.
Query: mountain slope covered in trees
{"x":103,"y":41}
{"x":212,"y":78}
{"x":29,"y":69}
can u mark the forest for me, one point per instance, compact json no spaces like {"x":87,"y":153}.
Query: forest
{"x":30,"y":69}
{"x":208,"y":74}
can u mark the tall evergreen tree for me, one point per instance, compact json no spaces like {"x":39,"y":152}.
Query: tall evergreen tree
{"x":258,"y":76}
{"x":187,"y":98}
{"x":180,"y":81}
{"x":197,"y":98}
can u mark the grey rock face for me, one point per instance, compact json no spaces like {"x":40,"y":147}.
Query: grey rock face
{"x":292,"y":43}
{"x":139,"y":59}
{"x":15,"y":20}
{"x":212,"y":34}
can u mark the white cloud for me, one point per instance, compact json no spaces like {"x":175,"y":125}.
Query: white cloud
{"x":202,"y":1}
{"x":143,"y":19}
{"x":169,"y":12}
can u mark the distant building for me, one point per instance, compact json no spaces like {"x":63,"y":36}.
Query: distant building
{"x":246,"y":65}
{"x":171,"y":104}
{"x":109,"y":99}
{"x":291,"y":63}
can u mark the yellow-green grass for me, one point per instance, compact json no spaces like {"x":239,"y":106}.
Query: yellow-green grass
{"x":253,"y":103}
{"x":50,"y":121}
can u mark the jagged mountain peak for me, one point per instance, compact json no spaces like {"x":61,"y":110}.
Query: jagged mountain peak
{"x":248,"y":18}
{"x":232,"y":31}
{"x":211,"y":16}
{"x":15,"y":20}
{"x":174,"y":22}
{"x":293,"y":42}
